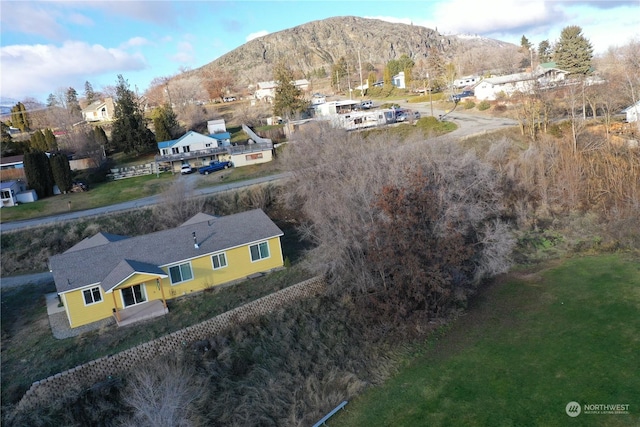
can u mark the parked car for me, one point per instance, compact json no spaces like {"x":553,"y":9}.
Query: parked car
{"x":458,"y":96}
{"x":366,"y":105}
{"x":401,"y":116}
{"x":186,"y":169}
{"x":229,"y":98}
{"x":214,"y":166}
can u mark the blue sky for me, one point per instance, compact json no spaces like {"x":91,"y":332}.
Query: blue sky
{"x":49,"y":45}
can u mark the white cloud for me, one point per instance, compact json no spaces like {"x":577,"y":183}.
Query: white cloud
{"x":31,"y":18}
{"x":33,"y":70}
{"x":474,"y":17}
{"x":185,"y":54}
{"x":256,"y":35}
{"x":135,"y":42}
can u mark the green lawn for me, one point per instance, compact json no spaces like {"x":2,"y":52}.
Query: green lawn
{"x":528,"y":346}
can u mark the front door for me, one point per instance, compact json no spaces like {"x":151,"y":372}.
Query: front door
{"x":133,"y":295}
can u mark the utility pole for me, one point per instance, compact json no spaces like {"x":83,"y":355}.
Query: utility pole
{"x":338,"y":80}
{"x":430,"y":97}
{"x":349,"y":80}
{"x":361,"y":82}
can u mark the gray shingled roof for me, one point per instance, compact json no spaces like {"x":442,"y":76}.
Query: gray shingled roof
{"x":125,"y":269}
{"x":96,"y":240}
{"x":94,"y":264}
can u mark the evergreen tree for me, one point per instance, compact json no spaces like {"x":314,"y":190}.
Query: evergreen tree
{"x":573,"y":52}
{"x":73,"y":106}
{"x":38,"y":141}
{"x":89,"y":94}
{"x":371,"y":79}
{"x":61,"y":172}
{"x":166,"y":124}
{"x":50,"y":140}
{"x":435,"y":68}
{"x":288,"y":100}
{"x":387,"y":75}
{"x":52,"y":101}
{"x":6,"y":136}
{"x":544,"y":51}
{"x":38,"y":173}
{"x":162,"y":133}
{"x":129,"y":132}
{"x":20,"y":117}
{"x":525,"y":44}
{"x":407,"y":77}
{"x":404,"y":63}
{"x":338,"y":71}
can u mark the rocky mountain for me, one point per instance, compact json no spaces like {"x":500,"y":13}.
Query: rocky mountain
{"x":321,"y":43}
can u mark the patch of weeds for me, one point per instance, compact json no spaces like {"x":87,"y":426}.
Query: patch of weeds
{"x":484,"y":105}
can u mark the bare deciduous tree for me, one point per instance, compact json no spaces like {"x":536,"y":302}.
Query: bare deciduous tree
{"x":178,"y":203}
{"x":161,"y":394}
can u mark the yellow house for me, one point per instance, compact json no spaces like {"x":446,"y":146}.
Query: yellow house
{"x":131,"y":278}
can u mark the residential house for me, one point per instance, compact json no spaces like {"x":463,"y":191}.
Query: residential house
{"x":193,"y":148}
{"x":398,"y":80}
{"x":544,"y":76}
{"x":632,"y":112}
{"x":465,"y":81}
{"x":131,"y":278}
{"x":102,"y":110}
{"x":12,"y":167}
{"x":266,"y":91}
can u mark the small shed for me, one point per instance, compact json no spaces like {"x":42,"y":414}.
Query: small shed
{"x":632,"y":112}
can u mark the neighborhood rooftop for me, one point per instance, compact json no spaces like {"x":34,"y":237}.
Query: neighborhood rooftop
{"x":97,"y":259}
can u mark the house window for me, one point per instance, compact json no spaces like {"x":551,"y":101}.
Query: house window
{"x":186,"y":149}
{"x":6,"y":194}
{"x":207,"y":145}
{"x":165,"y":151}
{"x":259,"y":251}
{"x":92,"y":295}
{"x":180,"y":273}
{"x":219,"y":261}
{"x":254,"y":156}
{"x":175,"y":150}
{"x":133,"y":295}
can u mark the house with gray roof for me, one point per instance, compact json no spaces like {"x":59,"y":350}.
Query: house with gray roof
{"x":110,"y":275}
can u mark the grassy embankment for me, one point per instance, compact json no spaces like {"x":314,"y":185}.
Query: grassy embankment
{"x":30,"y":352}
{"x":529,"y":345}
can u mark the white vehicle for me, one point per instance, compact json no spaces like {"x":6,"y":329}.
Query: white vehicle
{"x":186,"y":169}
{"x":366,"y":104}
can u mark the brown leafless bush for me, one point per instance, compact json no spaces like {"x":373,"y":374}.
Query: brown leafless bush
{"x":162,"y":394}
{"x":177,"y":204}
{"x":339,"y":180}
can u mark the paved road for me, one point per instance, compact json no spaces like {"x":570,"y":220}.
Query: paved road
{"x":469,"y":123}
{"x":134,"y":204}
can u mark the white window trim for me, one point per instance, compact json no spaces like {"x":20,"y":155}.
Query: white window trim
{"x":182,"y":281}
{"x":143,"y":289}
{"x":226,"y":261}
{"x":258,"y":245}
{"x":90,"y":288}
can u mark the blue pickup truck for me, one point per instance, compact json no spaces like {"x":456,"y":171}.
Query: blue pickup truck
{"x":214,"y":166}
